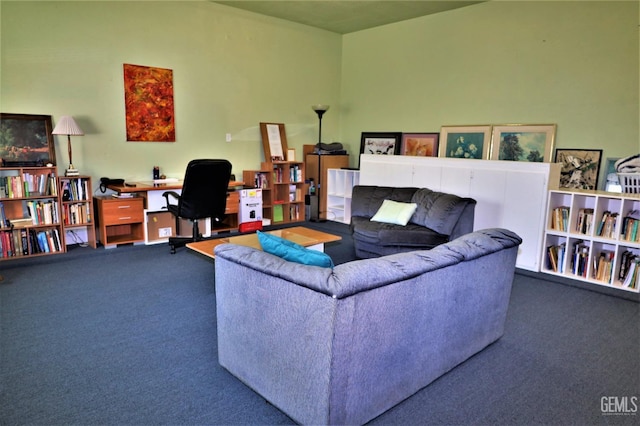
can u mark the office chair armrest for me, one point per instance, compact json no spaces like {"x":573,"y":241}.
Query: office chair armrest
{"x":174,"y":194}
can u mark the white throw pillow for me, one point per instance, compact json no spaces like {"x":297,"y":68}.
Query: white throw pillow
{"x":394,"y":212}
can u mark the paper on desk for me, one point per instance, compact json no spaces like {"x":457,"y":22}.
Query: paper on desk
{"x":167,"y":180}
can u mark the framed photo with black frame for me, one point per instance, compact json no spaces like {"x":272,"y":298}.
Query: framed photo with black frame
{"x":580,"y":167}
{"x":380,"y":143}
{"x":26,"y":140}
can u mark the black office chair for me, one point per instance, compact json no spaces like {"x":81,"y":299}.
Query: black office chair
{"x":204,"y":195}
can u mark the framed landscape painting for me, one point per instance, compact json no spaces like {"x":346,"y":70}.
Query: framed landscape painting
{"x":470,"y":142}
{"x":523,"y":142}
{"x":580,"y":167}
{"x":26,"y":139}
{"x":420,"y":144}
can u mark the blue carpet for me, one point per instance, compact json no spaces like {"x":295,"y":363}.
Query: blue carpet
{"x":127,"y":336}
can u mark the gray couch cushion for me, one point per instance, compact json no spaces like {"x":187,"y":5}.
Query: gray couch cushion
{"x":387,"y":234}
{"x":367,"y":199}
{"x":437,"y":210}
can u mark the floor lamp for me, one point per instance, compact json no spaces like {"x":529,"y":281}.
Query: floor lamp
{"x":320,"y":109}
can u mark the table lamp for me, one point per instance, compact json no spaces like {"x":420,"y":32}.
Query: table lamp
{"x":67,"y":126}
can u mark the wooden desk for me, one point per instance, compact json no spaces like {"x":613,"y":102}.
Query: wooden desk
{"x":149,"y":201}
{"x":306,"y":237}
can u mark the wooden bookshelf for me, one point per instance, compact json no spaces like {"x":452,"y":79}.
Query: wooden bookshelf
{"x":30,"y":215}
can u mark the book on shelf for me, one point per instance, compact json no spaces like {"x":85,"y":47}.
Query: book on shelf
{"x":584,"y":221}
{"x":579,"y":258}
{"x":555,"y":257}
{"x":603,"y":266}
{"x":607,"y":225}
{"x":560,"y":218}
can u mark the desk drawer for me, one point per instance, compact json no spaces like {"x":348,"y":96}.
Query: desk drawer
{"x":115,"y":212}
{"x":233,"y":202}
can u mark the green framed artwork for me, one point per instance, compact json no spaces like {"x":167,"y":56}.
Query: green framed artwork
{"x":523,"y":142}
{"x":471,"y":142}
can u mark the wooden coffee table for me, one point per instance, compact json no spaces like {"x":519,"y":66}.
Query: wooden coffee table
{"x":306,"y":237}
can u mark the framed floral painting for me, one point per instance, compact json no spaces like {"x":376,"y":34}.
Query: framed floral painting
{"x":471,"y":142}
{"x":523,"y":142}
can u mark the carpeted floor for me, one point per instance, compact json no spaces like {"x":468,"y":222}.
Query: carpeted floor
{"x":127,"y":336}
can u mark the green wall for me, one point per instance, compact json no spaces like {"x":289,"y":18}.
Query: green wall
{"x":231,"y":70}
{"x":502,"y":62}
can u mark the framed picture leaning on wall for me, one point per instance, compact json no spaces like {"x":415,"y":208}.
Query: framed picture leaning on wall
{"x":580,"y":167}
{"x":523,"y":142}
{"x":420,"y":144}
{"x":380,"y":143}
{"x":26,"y":139}
{"x":470,"y":142}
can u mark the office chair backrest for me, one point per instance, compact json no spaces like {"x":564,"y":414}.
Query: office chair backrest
{"x":204,"y":190}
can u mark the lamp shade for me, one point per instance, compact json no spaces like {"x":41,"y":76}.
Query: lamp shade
{"x":67,"y":126}
{"x":320,"y":108}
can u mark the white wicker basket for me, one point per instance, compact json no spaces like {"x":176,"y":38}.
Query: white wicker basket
{"x":630,"y":182}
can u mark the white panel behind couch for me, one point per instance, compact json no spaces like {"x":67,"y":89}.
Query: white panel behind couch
{"x":510,"y":194}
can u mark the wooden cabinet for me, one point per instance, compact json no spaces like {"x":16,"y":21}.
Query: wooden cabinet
{"x":317,"y":167}
{"x":340,"y":183}
{"x":30,"y":220}
{"x":509,"y":194}
{"x":120,"y":220}
{"x":77,"y":207}
{"x":593,"y":236}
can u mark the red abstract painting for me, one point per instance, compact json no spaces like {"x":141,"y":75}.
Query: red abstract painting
{"x":148,"y":97}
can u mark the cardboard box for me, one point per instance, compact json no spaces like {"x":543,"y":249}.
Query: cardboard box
{"x":250,"y":209}
{"x":160,"y":226}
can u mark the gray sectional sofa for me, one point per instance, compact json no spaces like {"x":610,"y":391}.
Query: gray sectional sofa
{"x":439,"y":218}
{"x":343,"y":345}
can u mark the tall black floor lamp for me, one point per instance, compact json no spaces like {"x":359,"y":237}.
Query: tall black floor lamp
{"x":320,"y":109}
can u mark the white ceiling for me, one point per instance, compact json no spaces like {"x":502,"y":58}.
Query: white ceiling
{"x":344,"y":17}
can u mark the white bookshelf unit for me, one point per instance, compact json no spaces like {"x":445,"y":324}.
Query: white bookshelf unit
{"x":593,"y":236}
{"x":340,"y":183}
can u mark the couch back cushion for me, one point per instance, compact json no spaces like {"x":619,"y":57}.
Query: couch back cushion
{"x":437,"y":210}
{"x":367,"y":199}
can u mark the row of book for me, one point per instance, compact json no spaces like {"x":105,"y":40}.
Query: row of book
{"x":603,"y":266}
{"x":603,"y":263}
{"x":23,"y":242}
{"x":629,"y":269}
{"x":295,"y":174}
{"x":261,"y":181}
{"x":560,"y":218}
{"x":75,"y":214}
{"x":630,"y":225}
{"x":27,"y":185}
{"x":606,"y":226}
{"x":75,"y":189}
{"x":43,"y":212}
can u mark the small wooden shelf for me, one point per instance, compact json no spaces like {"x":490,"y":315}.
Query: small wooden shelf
{"x":120,"y":220}
{"x":77,"y":207}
